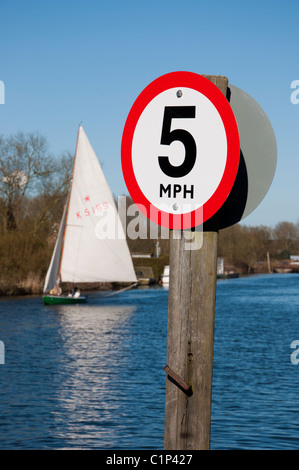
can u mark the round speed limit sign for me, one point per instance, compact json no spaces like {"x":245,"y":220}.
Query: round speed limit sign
{"x":180,"y":150}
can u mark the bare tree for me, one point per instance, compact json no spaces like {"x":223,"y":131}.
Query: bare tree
{"x":244,"y":246}
{"x":286,"y":237}
{"x":26,"y":167}
{"x":46,"y":208}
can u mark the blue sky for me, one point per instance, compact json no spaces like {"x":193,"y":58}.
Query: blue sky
{"x":63,"y":63}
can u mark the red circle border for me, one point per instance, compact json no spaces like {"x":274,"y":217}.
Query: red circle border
{"x":206,"y":87}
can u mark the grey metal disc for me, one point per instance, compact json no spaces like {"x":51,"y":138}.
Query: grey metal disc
{"x":258,"y":145}
{"x":258,"y":158}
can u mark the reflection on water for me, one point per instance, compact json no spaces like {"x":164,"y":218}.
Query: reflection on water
{"x":84,"y":376}
{"x":92,"y":339}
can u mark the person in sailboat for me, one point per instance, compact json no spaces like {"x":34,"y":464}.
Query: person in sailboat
{"x":57,"y":289}
{"x":75,"y":293}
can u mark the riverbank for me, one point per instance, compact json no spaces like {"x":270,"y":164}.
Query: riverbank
{"x":34,"y":286}
{"x":33,"y":283}
{"x":30,"y":285}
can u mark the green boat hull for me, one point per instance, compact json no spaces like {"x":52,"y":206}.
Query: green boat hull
{"x":63,"y":300}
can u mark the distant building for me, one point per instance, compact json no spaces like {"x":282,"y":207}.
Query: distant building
{"x":220,"y":265}
{"x":224,"y":270}
{"x":142,"y":255}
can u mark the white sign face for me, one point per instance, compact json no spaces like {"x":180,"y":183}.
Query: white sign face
{"x":180,"y":149}
{"x":187,"y":169}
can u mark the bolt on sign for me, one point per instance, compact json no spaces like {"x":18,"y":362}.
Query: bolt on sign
{"x":180,"y":150}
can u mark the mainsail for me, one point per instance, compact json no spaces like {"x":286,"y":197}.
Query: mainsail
{"x":82,"y":253}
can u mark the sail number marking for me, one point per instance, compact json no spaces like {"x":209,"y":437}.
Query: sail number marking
{"x":96,"y":209}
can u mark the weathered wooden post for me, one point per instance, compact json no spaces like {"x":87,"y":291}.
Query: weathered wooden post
{"x":190,"y":336}
{"x":192,"y":292}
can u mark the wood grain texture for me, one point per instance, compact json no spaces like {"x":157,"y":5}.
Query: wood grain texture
{"x":190,"y":335}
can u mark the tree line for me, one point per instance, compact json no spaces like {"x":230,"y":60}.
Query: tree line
{"x":33,"y":190}
{"x":246,"y":248}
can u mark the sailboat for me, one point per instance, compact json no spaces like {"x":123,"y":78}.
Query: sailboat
{"x":83,"y":251}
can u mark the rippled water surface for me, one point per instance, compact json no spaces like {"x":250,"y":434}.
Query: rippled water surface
{"x":91,"y":376}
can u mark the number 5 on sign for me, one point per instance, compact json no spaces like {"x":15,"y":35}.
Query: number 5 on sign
{"x":168,"y":136}
{"x":180,"y":150}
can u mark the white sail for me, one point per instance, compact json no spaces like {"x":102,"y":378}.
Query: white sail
{"x":82,"y":253}
{"x":52,"y":273}
{"x":86,"y":255}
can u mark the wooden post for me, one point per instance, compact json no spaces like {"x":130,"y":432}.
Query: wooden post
{"x":190,"y":336}
{"x":269,"y":262}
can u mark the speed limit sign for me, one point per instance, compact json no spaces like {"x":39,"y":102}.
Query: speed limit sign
{"x":180,"y":150}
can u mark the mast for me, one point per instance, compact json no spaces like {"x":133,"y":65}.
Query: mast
{"x":68,"y":202}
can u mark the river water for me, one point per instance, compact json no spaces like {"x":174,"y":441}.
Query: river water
{"x":91,"y":376}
